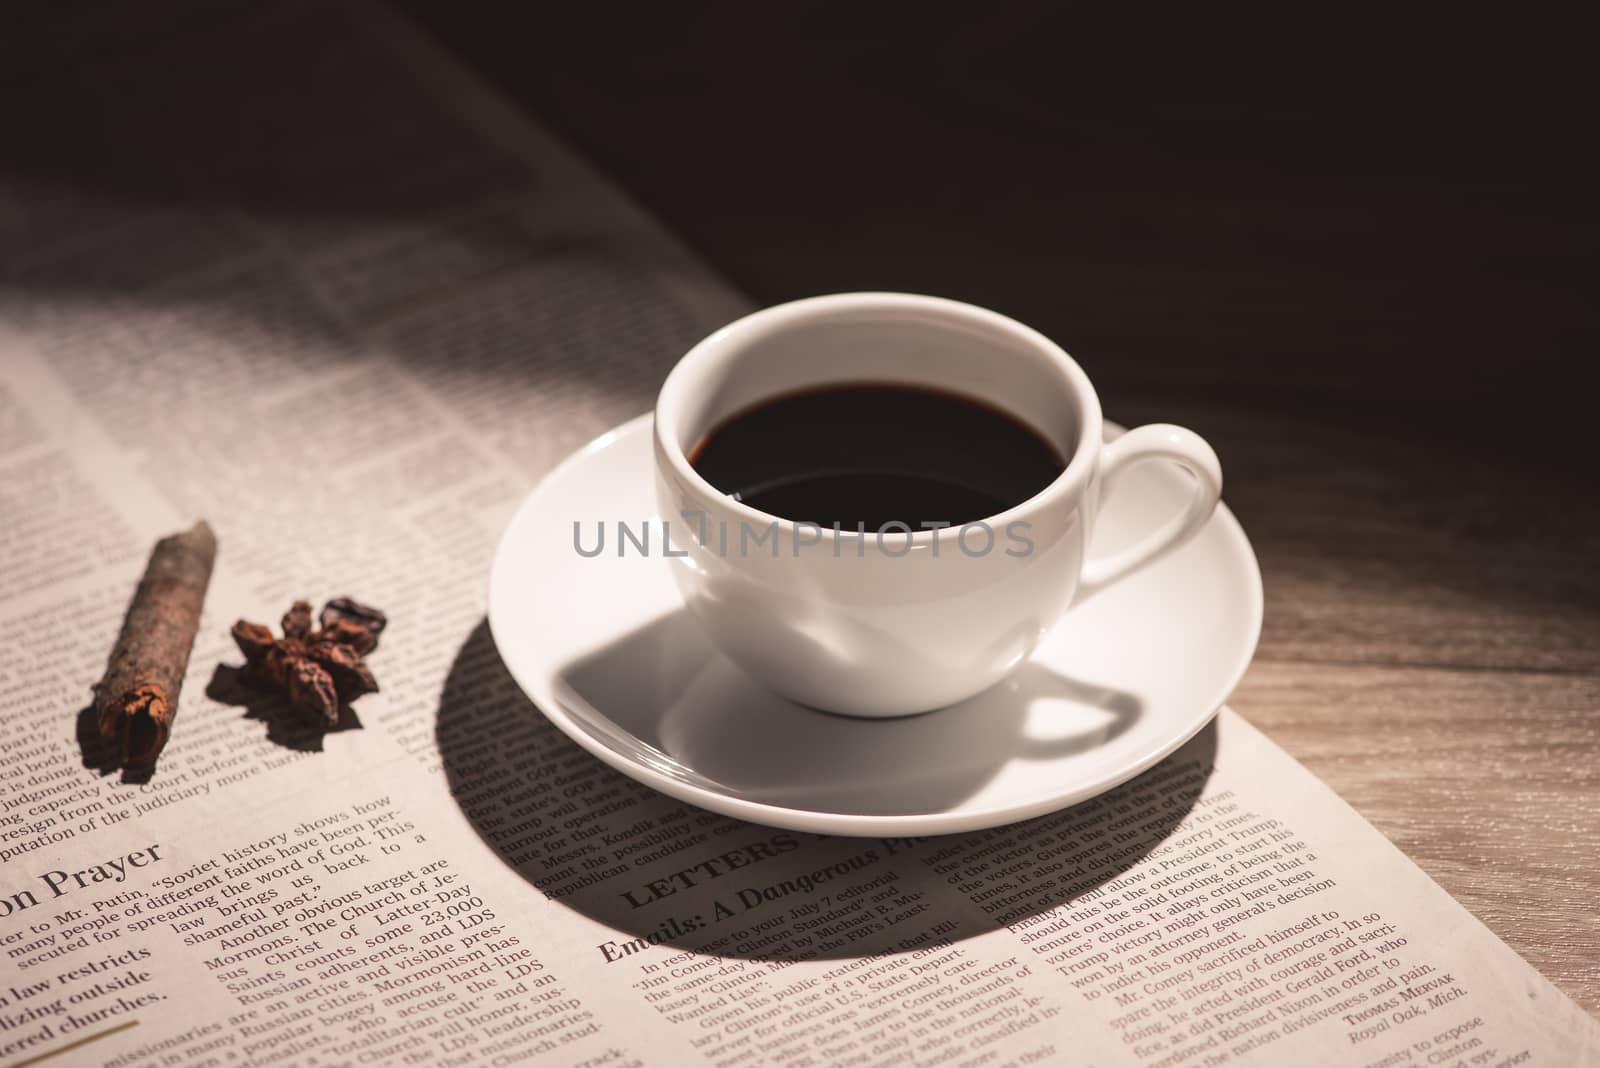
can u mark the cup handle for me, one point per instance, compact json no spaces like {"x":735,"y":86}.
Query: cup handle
{"x":1156,"y":441}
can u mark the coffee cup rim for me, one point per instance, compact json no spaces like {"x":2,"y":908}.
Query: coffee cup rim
{"x":705,"y":353}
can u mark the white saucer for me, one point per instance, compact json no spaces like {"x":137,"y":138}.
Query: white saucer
{"x":606,"y":650}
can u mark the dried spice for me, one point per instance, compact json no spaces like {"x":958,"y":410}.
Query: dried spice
{"x":319,"y":669}
{"x":136,"y":700}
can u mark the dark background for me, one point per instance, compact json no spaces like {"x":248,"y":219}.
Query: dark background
{"x":1375,"y":219}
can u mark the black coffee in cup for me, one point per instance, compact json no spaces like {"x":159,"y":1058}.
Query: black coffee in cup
{"x":865,"y":455}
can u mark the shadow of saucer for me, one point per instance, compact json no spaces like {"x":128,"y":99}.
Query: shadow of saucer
{"x":286,"y":725}
{"x":660,"y":872}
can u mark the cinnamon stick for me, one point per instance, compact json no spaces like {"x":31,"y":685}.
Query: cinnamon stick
{"x":137,"y":698}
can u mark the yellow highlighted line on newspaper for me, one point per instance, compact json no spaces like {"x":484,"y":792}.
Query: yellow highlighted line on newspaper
{"x":84,"y":1041}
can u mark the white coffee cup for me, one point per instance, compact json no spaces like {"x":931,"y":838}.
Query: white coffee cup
{"x":897,"y":623}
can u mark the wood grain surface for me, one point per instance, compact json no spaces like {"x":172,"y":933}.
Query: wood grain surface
{"x":1355,"y":258}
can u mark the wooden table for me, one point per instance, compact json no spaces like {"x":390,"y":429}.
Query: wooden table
{"x":1364,"y":271}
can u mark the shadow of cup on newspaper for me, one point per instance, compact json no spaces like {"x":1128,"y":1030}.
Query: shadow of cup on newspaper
{"x":647,"y":866}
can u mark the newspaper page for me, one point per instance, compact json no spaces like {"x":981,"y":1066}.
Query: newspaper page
{"x":286,"y":268}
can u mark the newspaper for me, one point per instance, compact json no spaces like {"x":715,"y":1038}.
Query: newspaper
{"x":288,"y":269}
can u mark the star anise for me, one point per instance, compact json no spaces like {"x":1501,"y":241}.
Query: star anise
{"x":318,"y":669}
